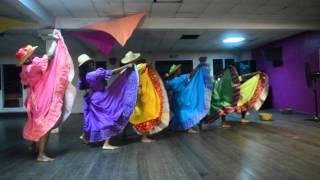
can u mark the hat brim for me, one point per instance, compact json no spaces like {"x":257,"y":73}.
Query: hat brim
{"x":127,"y":60}
{"x":29,"y":53}
{"x":90,"y":59}
{"x":175,"y":69}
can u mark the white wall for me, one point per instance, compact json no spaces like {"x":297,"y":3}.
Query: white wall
{"x":190,"y":56}
{"x":152,"y":57}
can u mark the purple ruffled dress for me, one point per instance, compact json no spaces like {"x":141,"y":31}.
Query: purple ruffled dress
{"x":108,"y":110}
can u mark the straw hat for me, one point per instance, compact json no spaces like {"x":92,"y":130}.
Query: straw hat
{"x":24,"y":53}
{"x":265,"y":116}
{"x":83,"y":58}
{"x":130,"y":57}
{"x":173,"y":69}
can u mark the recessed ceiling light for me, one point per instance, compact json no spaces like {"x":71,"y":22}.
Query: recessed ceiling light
{"x":233,"y":39}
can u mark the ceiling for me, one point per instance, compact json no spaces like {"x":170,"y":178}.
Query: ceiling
{"x":287,"y":9}
{"x":158,"y":40}
{"x":209,"y":40}
{"x":154,"y":39}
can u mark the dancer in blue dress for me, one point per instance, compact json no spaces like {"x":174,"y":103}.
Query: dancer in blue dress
{"x":190,"y":95}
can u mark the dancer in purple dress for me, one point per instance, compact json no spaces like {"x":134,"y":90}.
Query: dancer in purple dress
{"x":106,"y":110}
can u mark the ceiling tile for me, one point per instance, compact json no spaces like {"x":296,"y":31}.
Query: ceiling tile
{"x":197,"y":1}
{"x":244,"y":9}
{"x":83,"y":8}
{"x":132,"y":7}
{"x":217,"y":10}
{"x":165,"y":7}
{"x":188,"y":15}
{"x":109,"y":8}
{"x":163,"y":15}
{"x":192,"y":7}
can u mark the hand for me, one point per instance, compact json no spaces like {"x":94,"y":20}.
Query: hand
{"x":130,"y":65}
{"x":123,"y":70}
{"x":53,"y":36}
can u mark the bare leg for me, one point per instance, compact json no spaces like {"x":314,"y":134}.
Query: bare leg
{"x":243,"y":117}
{"x":224,"y":123}
{"x":146,"y":139}
{"x":42,"y":148}
{"x":108,"y":146}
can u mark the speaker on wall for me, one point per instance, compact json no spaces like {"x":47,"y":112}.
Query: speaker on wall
{"x":274,"y":54}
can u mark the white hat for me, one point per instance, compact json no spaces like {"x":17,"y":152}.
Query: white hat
{"x":130,"y":57}
{"x":83,"y":58}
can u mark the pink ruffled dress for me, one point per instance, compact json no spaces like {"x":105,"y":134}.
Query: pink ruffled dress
{"x":47,"y":85}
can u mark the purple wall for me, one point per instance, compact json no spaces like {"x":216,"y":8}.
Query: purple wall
{"x":288,"y":83}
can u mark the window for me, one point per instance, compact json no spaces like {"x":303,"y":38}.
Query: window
{"x":245,"y":67}
{"x":229,"y":62}
{"x":217,"y":67}
{"x":12,"y":88}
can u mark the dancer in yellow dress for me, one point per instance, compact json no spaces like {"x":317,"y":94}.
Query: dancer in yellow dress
{"x":151,"y":113}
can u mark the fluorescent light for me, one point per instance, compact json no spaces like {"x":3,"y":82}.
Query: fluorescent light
{"x":233,"y":39}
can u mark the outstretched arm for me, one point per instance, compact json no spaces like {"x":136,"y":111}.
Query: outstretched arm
{"x":117,"y":70}
{"x":193,"y":71}
{"x":53,"y":46}
{"x":246,"y":76}
{"x":52,"y":50}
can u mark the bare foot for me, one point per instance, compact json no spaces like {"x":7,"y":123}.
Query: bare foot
{"x":83,"y":139}
{"x":55,"y":131}
{"x":145,"y":139}
{"x":244,"y":121}
{"x":109,"y":147}
{"x":226,"y":126}
{"x":44,"y":158}
{"x":192,"y":131}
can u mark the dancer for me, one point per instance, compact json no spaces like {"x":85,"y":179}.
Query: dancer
{"x":237,"y":93}
{"x":225,"y":95}
{"x":151,"y":113}
{"x":106,"y":110}
{"x":191,"y":95}
{"x":253,"y":92}
{"x":48,"y":79}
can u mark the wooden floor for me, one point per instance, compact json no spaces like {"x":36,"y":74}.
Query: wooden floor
{"x":287,"y":148}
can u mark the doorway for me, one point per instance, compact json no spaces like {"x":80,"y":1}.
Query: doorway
{"x":11,"y":86}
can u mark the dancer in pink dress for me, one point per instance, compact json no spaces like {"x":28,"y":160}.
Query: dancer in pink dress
{"x":48,"y":81}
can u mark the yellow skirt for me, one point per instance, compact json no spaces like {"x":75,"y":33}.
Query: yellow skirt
{"x":148,"y":110}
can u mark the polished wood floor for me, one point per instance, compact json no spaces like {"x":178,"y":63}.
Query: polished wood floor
{"x":287,"y":148}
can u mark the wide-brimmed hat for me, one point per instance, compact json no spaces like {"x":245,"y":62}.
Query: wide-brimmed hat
{"x":130,"y":57}
{"x":24,"y":53}
{"x":83,"y":58}
{"x":173,"y":69}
